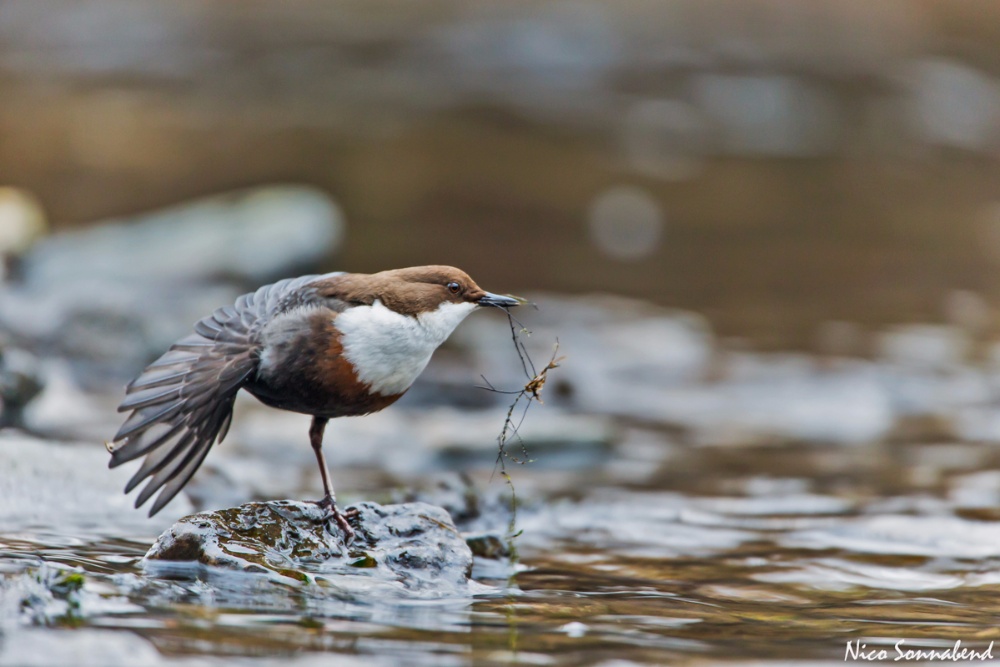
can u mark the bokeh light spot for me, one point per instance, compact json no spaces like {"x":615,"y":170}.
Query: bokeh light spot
{"x":625,"y":222}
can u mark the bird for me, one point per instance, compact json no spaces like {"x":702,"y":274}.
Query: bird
{"x":326,"y":345}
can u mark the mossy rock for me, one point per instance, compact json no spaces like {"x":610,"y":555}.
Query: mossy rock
{"x":411,"y":545}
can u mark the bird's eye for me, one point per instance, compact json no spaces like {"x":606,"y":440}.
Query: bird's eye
{"x":454,"y":288}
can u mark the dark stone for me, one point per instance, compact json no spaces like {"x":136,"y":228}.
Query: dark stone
{"x":20,"y":383}
{"x":415,"y":545}
{"x":487,"y":545}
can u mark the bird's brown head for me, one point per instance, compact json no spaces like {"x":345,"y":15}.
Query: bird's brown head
{"x":420,"y":289}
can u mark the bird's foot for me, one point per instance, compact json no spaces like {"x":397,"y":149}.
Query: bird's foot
{"x":340,"y":518}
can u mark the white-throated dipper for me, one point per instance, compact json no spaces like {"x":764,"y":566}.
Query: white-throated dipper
{"x":332,"y":345}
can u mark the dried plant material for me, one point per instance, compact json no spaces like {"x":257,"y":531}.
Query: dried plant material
{"x":537,"y":383}
{"x":530,"y":392}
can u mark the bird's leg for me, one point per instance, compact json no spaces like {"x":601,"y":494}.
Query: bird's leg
{"x":329,"y":501}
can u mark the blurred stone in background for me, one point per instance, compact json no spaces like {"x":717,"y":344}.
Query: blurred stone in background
{"x":250,"y":237}
{"x":625,"y":223}
{"x":22,"y":223}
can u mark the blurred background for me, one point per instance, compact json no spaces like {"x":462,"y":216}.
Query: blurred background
{"x":772,"y":164}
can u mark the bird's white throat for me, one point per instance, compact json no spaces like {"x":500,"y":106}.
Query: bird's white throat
{"x":388,"y":349}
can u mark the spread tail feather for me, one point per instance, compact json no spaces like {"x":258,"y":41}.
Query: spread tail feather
{"x":181,"y":405}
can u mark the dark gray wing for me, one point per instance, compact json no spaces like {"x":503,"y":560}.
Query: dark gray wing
{"x":183,"y":402}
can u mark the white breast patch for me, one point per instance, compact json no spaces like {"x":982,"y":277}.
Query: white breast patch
{"x":389,"y":350}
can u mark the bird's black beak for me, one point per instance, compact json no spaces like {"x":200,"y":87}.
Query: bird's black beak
{"x":497,"y":301}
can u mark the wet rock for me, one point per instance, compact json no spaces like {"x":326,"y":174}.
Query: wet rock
{"x":476,"y":510}
{"x":47,"y":595}
{"x":488,"y":545}
{"x":409,"y":547}
{"x":254,"y":236}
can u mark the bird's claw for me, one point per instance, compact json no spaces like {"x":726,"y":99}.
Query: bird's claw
{"x":340,"y":518}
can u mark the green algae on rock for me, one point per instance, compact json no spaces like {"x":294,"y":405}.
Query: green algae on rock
{"x":411,"y":546}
